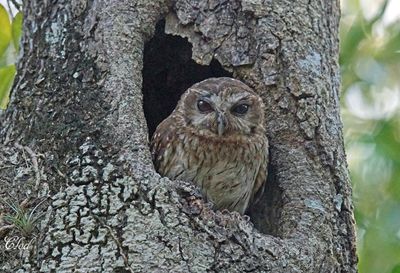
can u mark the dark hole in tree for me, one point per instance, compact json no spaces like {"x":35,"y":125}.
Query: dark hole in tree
{"x":267,"y":212}
{"x":168,"y":71}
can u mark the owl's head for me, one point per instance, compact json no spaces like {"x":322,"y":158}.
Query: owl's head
{"x":222,"y":106}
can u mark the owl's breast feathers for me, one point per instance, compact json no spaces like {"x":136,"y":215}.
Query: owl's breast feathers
{"x":230,"y":170}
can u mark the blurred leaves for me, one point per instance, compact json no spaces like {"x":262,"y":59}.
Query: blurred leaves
{"x":7,"y":77}
{"x":17,"y":30}
{"x":5,"y":30}
{"x":370,"y":64}
{"x":396,"y":269}
{"x":10,"y":34}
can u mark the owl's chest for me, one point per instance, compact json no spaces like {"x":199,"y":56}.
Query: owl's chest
{"x":204,"y":161}
{"x":225,"y":170}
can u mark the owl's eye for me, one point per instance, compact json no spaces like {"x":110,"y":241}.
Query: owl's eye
{"x":204,"y":106}
{"x":240,"y":109}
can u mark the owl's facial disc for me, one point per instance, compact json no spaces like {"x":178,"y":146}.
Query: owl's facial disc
{"x":218,"y":113}
{"x":206,"y":105}
{"x":222,"y":110}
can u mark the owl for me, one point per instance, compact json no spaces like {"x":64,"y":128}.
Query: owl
{"x":216,"y":139}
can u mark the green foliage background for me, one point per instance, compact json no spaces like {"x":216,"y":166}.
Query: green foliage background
{"x":10,"y":33}
{"x":370,"y":63}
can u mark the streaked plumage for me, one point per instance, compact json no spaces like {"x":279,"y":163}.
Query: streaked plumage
{"x":215,"y":138}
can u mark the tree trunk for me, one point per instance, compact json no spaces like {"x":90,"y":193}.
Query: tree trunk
{"x":76,"y":131}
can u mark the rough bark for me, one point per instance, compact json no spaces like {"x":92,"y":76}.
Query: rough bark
{"x":77,"y":106}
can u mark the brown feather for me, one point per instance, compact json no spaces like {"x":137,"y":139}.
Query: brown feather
{"x":231,"y":169}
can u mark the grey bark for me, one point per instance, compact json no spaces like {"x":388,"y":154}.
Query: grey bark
{"x":77,"y":105}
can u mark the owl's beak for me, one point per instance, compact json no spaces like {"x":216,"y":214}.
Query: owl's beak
{"x":221,"y":123}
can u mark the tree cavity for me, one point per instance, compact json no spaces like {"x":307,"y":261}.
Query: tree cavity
{"x":169,"y":70}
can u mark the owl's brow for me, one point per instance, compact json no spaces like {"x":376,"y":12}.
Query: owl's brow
{"x":202,"y":92}
{"x":206,"y":95}
{"x":240,"y":98}
{"x":246,"y":97}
